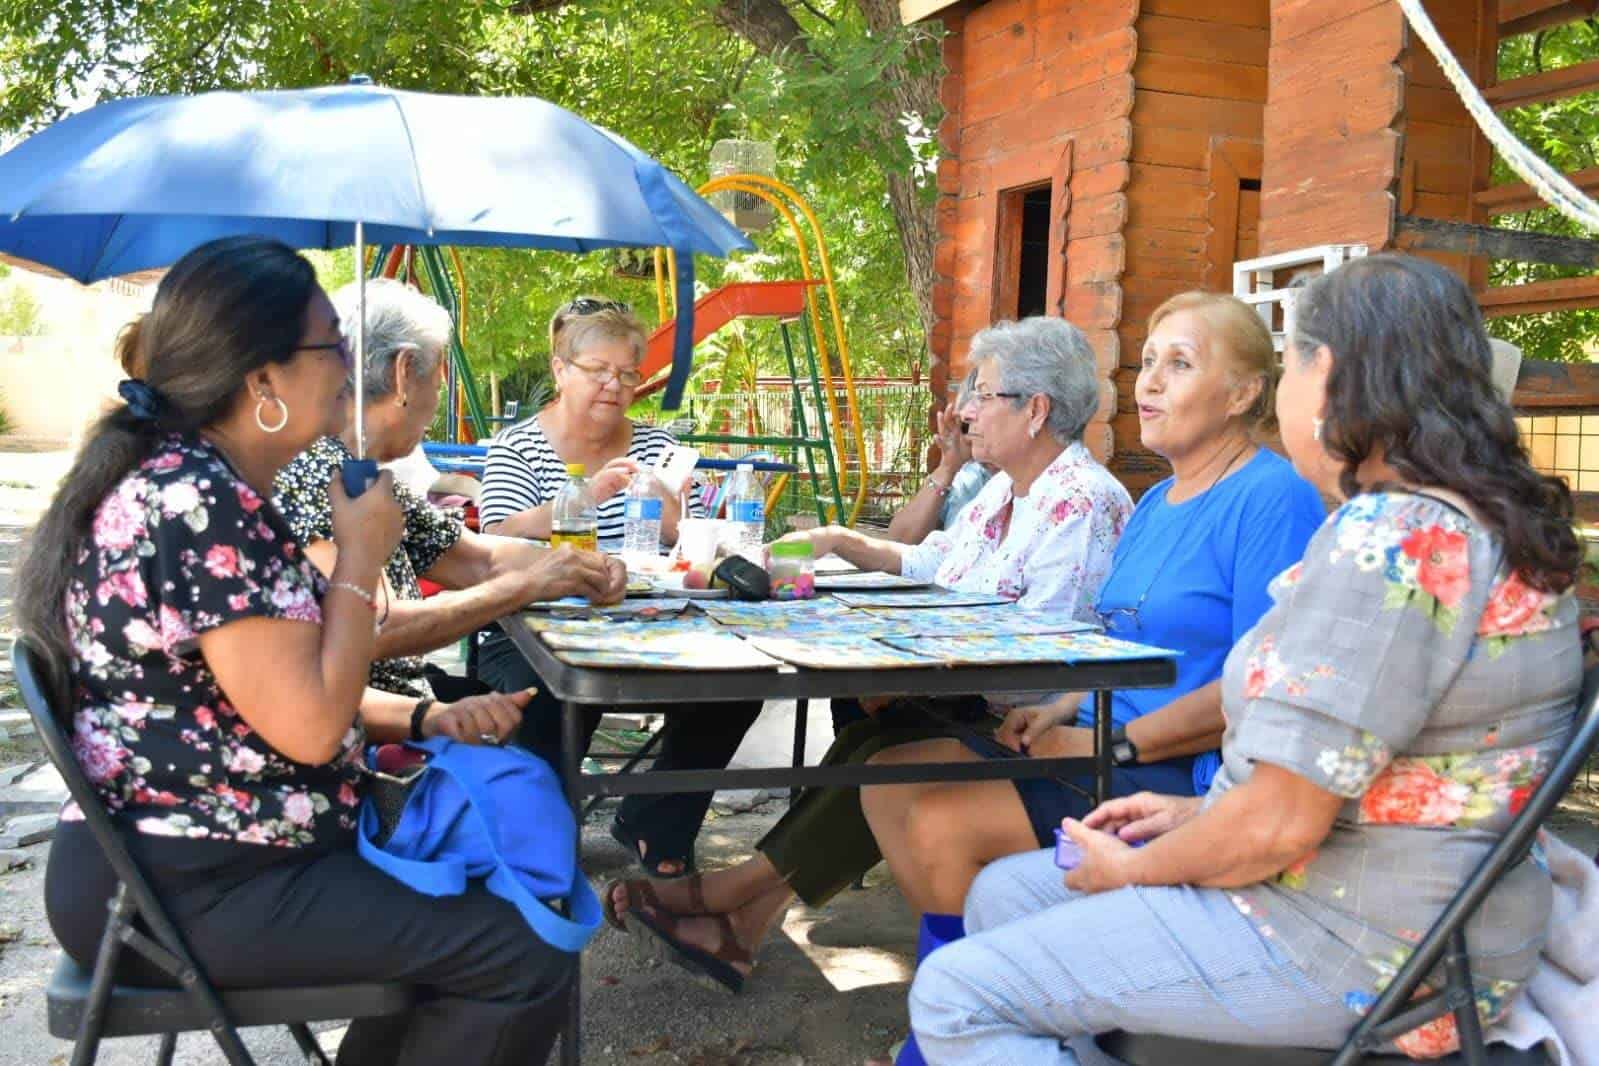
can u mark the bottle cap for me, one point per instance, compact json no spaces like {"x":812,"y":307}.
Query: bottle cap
{"x":795,"y":549}
{"x":575,"y":469}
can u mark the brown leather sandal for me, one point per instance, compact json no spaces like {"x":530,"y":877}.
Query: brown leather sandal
{"x":641,"y":896}
{"x":715,"y":965}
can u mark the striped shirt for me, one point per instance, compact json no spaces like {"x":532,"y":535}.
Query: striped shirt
{"x":523,"y":471}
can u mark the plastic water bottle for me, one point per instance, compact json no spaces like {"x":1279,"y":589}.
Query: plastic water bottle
{"x":641,"y":519}
{"x":575,"y":517}
{"x":746,"y":513}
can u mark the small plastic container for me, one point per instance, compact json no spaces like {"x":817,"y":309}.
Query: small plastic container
{"x":793,"y":570}
{"x":1068,"y":856}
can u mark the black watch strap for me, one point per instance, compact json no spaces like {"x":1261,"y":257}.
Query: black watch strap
{"x":1123,"y":752}
{"x":418,"y":713}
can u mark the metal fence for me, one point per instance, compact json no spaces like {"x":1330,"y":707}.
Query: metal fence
{"x":894,"y":424}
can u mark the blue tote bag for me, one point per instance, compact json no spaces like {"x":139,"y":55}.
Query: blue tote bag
{"x":489,"y":813}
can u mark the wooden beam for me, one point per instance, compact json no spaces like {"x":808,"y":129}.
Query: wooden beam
{"x":1515,"y":197}
{"x":1539,"y":297}
{"x":915,"y":10}
{"x":1544,"y":388}
{"x":1541,"y":88}
{"x":1525,"y":16}
{"x":1464,"y":238}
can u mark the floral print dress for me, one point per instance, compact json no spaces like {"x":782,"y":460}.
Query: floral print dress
{"x":1404,"y":669}
{"x":179,"y":547}
{"x":1057,"y":549}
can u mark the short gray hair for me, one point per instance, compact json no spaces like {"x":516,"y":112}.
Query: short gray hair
{"x":1044,"y":356}
{"x":398,"y":318}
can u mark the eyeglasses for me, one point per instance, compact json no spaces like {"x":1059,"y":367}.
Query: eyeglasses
{"x":983,"y":398}
{"x":605,"y":372}
{"x":1129,"y":615}
{"x":341,"y":346}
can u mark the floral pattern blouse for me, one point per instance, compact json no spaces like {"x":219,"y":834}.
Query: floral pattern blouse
{"x":1057,"y":550}
{"x":302,"y":497}
{"x":1405,"y":670}
{"x":179,"y":547}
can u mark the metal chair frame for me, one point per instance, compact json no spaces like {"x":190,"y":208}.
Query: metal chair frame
{"x":135,"y":901}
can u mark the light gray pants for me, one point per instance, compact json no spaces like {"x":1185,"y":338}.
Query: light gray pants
{"x":1041,"y":965}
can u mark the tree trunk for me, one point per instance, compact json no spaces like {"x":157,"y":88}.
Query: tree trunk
{"x":772,"y":30}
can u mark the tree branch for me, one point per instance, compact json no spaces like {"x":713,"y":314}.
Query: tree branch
{"x":767,"y":25}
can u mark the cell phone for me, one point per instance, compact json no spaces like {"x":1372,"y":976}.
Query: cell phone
{"x":358,"y":475}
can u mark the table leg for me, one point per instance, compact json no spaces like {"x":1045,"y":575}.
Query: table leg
{"x":802,"y":716}
{"x":572,"y":757}
{"x":1102,"y":728}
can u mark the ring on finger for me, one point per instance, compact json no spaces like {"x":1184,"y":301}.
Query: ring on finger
{"x":488,"y":738}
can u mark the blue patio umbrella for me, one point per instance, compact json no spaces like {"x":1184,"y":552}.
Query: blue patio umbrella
{"x":134,"y":184}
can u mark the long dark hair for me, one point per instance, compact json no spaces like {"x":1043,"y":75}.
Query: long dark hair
{"x":1412,"y":377}
{"x":228,"y":307}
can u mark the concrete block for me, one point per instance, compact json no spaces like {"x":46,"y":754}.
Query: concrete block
{"x":27,"y":829}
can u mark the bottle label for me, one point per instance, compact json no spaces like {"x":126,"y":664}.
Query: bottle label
{"x":753,"y":511}
{"x":585,"y":541}
{"x":642,"y":507}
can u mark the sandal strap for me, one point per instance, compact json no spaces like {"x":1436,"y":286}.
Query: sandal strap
{"x":641,"y":894}
{"x":728,"y":949}
{"x":696,"y":894}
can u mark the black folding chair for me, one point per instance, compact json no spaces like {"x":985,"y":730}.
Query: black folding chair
{"x":87,"y":1007}
{"x":1395,"y":1013}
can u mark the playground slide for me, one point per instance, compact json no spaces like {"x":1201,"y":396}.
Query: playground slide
{"x":741,"y":299}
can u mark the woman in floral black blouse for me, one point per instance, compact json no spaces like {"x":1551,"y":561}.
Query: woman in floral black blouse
{"x":218,"y":680}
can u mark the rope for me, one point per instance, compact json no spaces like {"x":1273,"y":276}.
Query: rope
{"x":1550,"y":184}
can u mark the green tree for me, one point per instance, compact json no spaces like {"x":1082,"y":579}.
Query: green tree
{"x":1565,"y":132}
{"x":845,"y":94}
{"x":20,"y":314}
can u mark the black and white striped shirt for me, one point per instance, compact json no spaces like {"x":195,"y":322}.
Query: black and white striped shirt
{"x":522,"y":471}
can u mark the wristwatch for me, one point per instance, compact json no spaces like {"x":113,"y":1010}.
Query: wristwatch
{"x":417,"y":714}
{"x":1123,"y":752}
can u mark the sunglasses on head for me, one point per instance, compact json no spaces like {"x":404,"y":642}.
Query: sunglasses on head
{"x":585,"y":305}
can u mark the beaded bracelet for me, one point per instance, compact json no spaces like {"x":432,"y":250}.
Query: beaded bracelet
{"x":367,"y":598}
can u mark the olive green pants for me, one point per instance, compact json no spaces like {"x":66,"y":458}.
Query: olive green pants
{"x":823,"y":844}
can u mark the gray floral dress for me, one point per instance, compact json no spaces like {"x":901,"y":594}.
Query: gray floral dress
{"x":179,"y":547}
{"x":1404,"y":669}
{"x":302,"y":496}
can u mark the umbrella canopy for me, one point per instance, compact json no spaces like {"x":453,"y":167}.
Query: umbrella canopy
{"x":136,"y":183}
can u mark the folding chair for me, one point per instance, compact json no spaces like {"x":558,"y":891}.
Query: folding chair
{"x":1395,"y":1013}
{"x":87,"y":1007}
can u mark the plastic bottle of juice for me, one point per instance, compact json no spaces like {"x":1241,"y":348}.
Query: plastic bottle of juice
{"x":575,"y":517}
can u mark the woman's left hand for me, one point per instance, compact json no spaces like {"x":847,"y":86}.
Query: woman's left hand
{"x":1105,"y":863}
{"x":486,"y":719}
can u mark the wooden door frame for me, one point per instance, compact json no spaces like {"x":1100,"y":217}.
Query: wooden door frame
{"x":1232,"y":160}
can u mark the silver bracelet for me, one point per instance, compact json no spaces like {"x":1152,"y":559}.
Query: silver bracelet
{"x":367,"y":598}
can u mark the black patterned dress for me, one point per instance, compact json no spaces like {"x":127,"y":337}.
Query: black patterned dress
{"x":302,"y":496}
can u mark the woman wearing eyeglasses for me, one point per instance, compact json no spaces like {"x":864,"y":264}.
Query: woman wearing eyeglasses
{"x":595,"y":350}
{"x":1041,"y":532}
{"x":1189,"y":573}
{"x":484,"y":577}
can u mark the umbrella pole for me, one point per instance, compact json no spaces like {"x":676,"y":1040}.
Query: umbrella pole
{"x":359,"y":473}
{"x":360,"y":341}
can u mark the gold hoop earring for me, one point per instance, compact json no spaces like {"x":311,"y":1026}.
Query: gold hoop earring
{"x":259,"y":421}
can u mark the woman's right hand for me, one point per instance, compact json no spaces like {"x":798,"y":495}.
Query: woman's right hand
{"x":612,"y":478}
{"x":1024,"y":725}
{"x":1143,"y":815}
{"x":566,"y":571}
{"x":366,"y":529}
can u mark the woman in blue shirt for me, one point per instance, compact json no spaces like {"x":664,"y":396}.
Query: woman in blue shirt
{"x":1189,"y":573}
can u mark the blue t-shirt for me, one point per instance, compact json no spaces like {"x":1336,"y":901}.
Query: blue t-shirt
{"x":968,"y":482}
{"x":1205,"y":564}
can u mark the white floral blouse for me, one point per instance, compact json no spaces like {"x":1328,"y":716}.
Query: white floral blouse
{"x":1057,"y":550}
{"x":178,"y":547}
{"x":1404,"y":669}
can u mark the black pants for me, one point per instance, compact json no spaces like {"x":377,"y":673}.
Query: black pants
{"x":494,"y":994}
{"x":702,"y":737}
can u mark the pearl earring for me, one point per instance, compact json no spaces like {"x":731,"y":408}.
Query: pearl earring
{"x":1315,"y":428}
